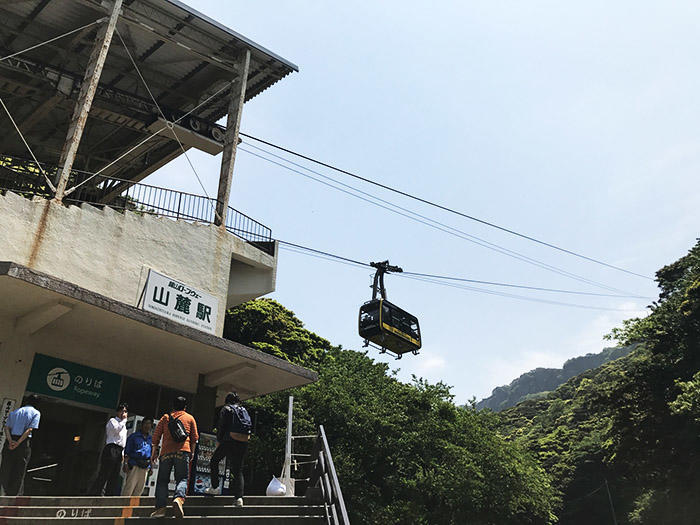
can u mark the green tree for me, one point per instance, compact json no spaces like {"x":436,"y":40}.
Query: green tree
{"x":633,"y":422}
{"x":404,"y":452}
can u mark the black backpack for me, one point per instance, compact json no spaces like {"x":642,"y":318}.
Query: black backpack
{"x":177,"y":429}
{"x":241,"y":422}
{"x":233,"y":418}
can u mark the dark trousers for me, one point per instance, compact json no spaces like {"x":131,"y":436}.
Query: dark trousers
{"x":110,"y":464}
{"x":233,"y":451}
{"x":180,"y":463}
{"x":14,"y":467}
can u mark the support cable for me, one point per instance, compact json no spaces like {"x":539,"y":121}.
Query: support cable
{"x":99,"y":20}
{"x":438,"y":279}
{"x":445,"y":208}
{"x":515,"y":296}
{"x":120,"y":157}
{"x":432,"y":223}
{"x":169,"y":124}
{"x":322,"y":255}
{"x":48,"y":181}
{"x":41,"y":169}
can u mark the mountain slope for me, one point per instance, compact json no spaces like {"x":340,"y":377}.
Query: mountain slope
{"x":540,"y":381}
{"x":624,"y":438}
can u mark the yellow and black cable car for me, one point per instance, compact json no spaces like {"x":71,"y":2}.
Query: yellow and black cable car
{"x":391,"y":328}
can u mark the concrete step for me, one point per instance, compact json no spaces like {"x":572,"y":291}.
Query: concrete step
{"x":191,"y":510}
{"x":190,"y":520}
{"x":119,"y":501}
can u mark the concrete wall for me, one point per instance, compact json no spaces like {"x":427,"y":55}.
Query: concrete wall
{"x":110,"y":252}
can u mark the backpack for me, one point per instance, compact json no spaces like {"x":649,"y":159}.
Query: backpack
{"x":233,"y":418}
{"x":177,"y":429}
{"x":241,"y":423}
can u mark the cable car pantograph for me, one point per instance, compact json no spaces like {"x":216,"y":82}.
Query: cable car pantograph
{"x":390,"y":329}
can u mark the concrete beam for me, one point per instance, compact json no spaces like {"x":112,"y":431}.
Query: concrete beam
{"x":233,"y":125}
{"x":87,"y":94}
{"x":40,"y":317}
{"x":223,"y":376}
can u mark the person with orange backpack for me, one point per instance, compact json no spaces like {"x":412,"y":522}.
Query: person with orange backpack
{"x":178,"y":431}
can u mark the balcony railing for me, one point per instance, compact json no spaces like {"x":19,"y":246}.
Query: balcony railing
{"x":121,"y":194}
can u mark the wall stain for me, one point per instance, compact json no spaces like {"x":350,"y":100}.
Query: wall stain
{"x":39,"y":234}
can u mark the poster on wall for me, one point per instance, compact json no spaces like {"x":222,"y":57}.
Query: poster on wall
{"x":171,"y":298}
{"x":62,"y":379}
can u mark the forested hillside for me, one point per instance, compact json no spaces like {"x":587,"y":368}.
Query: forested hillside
{"x":623,"y":438}
{"x":633,"y":425}
{"x":540,"y":381}
{"x":405,"y":453}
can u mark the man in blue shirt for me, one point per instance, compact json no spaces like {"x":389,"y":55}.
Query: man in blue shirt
{"x":137,"y":459}
{"x":17,"y":450}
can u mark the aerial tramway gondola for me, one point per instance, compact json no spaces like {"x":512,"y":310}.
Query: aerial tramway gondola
{"x":390,"y":328}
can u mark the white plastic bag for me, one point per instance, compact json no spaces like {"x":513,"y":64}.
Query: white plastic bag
{"x":276,"y":488}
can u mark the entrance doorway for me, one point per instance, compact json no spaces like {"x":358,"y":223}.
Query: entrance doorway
{"x":65,"y":449}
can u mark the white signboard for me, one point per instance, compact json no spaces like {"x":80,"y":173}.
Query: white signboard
{"x":179,"y":302}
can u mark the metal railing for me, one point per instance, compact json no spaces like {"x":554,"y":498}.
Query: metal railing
{"x":324,"y":478}
{"x":125,"y":195}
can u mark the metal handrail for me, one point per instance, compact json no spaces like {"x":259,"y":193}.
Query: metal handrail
{"x":121,"y":194}
{"x":325,"y":478}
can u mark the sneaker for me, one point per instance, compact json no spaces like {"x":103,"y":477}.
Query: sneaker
{"x":238,"y":502}
{"x":177,"y":508}
{"x":160,"y":513}
{"x":211,"y":491}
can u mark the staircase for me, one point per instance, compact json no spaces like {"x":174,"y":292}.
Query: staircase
{"x":257,"y":510}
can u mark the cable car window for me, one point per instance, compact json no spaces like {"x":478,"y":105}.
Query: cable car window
{"x":369,"y":318}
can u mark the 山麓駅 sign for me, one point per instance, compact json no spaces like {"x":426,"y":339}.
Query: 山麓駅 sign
{"x":173,"y":299}
{"x":62,"y":379}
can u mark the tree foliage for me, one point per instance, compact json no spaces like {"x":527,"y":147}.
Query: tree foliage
{"x":404,"y":452}
{"x":634,"y":422}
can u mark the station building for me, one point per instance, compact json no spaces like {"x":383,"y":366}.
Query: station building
{"x":110,"y":288}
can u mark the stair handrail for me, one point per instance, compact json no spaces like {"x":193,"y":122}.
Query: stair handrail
{"x":325,"y":477}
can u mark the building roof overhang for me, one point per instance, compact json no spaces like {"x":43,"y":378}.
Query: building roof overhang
{"x":184,"y":56}
{"x":97,"y":331}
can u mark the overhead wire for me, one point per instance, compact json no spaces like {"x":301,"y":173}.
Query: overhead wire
{"x":445,"y":208}
{"x":515,"y":296}
{"x":534,"y":288}
{"x":327,"y":256}
{"x":439,"y":278}
{"x":417,"y":217}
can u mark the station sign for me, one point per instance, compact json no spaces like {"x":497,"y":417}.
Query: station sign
{"x":175,"y":300}
{"x":62,"y":379}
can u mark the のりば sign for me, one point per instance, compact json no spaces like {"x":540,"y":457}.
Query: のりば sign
{"x":173,"y":299}
{"x":62,"y":379}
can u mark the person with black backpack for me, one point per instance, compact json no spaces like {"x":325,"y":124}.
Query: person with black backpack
{"x":179,"y":433}
{"x":233,"y":433}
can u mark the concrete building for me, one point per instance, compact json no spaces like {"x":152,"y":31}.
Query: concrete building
{"x":112,"y":289}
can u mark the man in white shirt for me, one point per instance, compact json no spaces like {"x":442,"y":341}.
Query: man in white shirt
{"x":112,"y":455}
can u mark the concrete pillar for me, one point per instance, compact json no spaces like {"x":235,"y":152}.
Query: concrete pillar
{"x":16,"y":357}
{"x":204,"y":405}
{"x":87,"y":93}
{"x":233,"y":125}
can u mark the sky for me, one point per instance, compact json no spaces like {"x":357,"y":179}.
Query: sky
{"x":576,"y":123}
